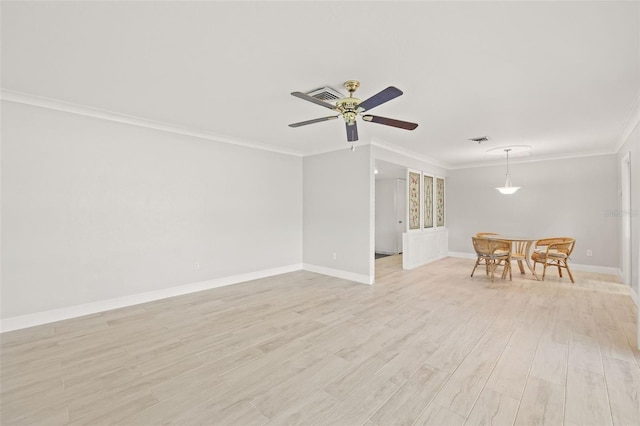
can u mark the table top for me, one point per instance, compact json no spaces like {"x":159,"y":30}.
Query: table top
{"x":509,"y":238}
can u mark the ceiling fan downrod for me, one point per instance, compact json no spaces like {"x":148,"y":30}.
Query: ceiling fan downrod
{"x":348,"y":107}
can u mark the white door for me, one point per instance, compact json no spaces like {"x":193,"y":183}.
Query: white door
{"x":401,"y":210}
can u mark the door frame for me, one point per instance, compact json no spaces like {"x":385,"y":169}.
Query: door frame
{"x":625,"y":215}
{"x":401,"y":211}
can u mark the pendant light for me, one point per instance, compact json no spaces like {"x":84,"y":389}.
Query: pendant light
{"x":508,"y":189}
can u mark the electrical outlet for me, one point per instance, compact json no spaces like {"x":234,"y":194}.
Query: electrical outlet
{"x":196,"y":266}
{"x":589,"y":252}
{"x":334,"y":256}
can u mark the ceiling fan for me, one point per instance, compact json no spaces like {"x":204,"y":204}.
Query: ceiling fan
{"x":349,"y":108}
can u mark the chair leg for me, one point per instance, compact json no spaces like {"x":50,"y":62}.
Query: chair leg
{"x":507,"y":268}
{"x":566,"y":265}
{"x":492,"y":268}
{"x":475,"y":266}
{"x":559,"y":270}
{"x":521,"y":266}
{"x":544,"y":271}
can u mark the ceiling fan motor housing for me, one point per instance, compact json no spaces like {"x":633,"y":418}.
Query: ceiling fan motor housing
{"x":348,"y":107}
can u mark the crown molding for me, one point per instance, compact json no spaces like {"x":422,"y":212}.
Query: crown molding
{"x":534,"y":159}
{"x":408,"y":153}
{"x":57,"y":105}
{"x":629,"y":124}
{"x":336,"y":147}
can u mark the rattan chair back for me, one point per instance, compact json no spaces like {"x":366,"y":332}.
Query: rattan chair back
{"x":556,"y":253}
{"x":492,"y":253}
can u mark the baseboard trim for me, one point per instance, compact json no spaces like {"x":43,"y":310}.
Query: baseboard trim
{"x":388,"y":253}
{"x":54,"y":315}
{"x":351,"y":276}
{"x":573,"y":266}
{"x":597,"y":269}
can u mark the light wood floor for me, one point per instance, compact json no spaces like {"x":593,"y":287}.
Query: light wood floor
{"x":426,"y":346}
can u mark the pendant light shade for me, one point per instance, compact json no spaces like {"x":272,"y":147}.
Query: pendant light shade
{"x":508,"y":189}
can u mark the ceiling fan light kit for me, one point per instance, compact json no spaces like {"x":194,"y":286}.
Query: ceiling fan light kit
{"x":508,"y":188}
{"x":350,"y":108}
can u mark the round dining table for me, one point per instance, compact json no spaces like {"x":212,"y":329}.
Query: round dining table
{"x":527,"y":241}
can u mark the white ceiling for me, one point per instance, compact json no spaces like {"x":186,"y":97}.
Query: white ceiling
{"x":562,"y":77}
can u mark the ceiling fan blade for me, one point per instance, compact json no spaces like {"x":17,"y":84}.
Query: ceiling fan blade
{"x":380,"y":98}
{"x":390,"y":122}
{"x":315,"y":120}
{"x":314,"y":100}
{"x":352,"y":132}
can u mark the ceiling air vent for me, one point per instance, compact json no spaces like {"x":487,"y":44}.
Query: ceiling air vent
{"x":326,"y":94}
{"x":480,"y":139}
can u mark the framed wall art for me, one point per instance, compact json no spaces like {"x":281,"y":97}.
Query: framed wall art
{"x":440,"y":202}
{"x":414,"y":185}
{"x":428,"y":201}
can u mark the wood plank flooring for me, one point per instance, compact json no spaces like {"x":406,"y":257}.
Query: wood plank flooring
{"x":430,"y":346}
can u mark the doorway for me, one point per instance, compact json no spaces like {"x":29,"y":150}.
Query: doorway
{"x":390,"y":215}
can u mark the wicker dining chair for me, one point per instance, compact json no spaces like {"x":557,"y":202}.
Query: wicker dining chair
{"x":554,"y":252}
{"x":491,"y":253}
{"x":488,"y":234}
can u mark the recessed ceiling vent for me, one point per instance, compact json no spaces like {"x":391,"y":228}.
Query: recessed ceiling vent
{"x":326,"y":94}
{"x":480,"y":139}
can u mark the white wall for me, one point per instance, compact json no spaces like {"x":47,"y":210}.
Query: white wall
{"x":338,"y":204}
{"x":93,"y":210}
{"x":568,"y":197}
